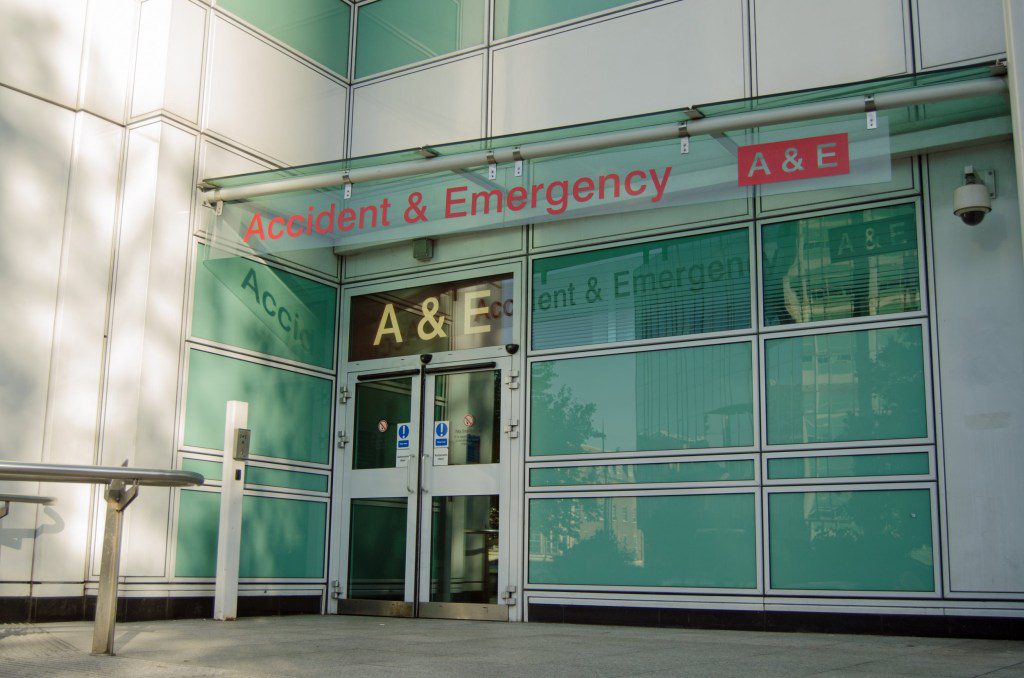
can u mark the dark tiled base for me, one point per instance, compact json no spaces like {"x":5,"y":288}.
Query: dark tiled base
{"x":801,"y":622}
{"x":83,"y":608}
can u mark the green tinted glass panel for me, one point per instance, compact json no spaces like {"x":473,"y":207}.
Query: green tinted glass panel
{"x":317,"y":28}
{"x":242,"y":303}
{"x":519,"y":16}
{"x":706,"y":541}
{"x":690,"y":285}
{"x":863,"y":385}
{"x":210,"y":470}
{"x":376,"y":552}
{"x":289,"y":412}
{"x":877,"y":540}
{"x":198,"y":524}
{"x":674,"y":399}
{"x":846,"y":265}
{"x":630,"y":474}
{"x":849,"y":465}
{"x":380,"y":407}
{"x":464,"y":549}
{"x":295,"y":480}
{"x":393,"y":33}
{"x":281,"y":538}
{"x":471,"y":403}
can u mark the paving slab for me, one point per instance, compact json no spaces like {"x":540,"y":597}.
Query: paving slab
{"x":276,"y":647}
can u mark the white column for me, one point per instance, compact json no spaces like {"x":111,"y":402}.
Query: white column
{"x":229,"y":537}
{"x":1013,"y":19}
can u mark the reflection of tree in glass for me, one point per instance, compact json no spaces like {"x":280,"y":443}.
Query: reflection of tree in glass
{"x":890,"y":399}
{"x":561,"y":423}
{"x":577,"y":542}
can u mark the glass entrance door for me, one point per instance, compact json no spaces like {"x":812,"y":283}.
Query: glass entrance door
{"x":425,"y":492}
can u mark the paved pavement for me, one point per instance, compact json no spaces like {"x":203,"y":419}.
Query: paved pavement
{"x":369,"y":646}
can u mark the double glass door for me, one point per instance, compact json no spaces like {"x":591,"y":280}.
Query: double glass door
{"x":425,"y":517}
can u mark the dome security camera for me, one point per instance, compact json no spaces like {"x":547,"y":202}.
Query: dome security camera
{"x":972,"y":201}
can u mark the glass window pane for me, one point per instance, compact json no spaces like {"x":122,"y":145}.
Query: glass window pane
{"x":844,"y":386}
{"x":847,"y":265}
{"x":289,"y":412}
{"x":393,"y":33}
{"x":628,"y":474}
{"x":260,"y":475}
{"x":685,"y":398}
{"x":876,"y":540}
{"x":519,"y":16}
{"x":471,"y":404}
{"x":264,"y":309}
{"x":376,"y":552}
{"x":317,"y":28}
{"x":689,"y":285}
{"x":706,"y":541}
{"x":464,"y":550}
{"x":380,"y":407}
{"x":849,"y":465}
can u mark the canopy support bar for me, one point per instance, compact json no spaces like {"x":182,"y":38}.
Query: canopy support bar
{"x":664,"y":132}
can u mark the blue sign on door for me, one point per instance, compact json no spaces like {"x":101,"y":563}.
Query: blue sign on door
{"x":403,"y":436}
{"x":441,"y":434}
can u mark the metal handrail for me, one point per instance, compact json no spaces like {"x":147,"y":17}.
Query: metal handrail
{"x":122,"y":486}
{"x":98,"y":475}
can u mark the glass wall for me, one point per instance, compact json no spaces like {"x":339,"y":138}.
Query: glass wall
{"x":695,"y":374}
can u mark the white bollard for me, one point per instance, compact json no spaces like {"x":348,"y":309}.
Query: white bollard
{"x":229,"y":537}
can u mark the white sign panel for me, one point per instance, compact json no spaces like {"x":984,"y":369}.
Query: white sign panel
{"x":403,"y":449}
{"x":441,"y":431}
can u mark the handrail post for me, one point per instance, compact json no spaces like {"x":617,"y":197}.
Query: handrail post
{"x":118,"y":497}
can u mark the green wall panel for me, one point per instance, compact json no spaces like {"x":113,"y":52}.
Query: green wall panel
{"x":703,"y":541}
{"x":393,"y":33}
{"x":844,"y":386}
{"x":264,"y":309}
{"x":289,"y":412}
{"x":849,"y":465}
{"x":376,"y":565}
{"x":261,"y":475}
{"x":682,"y":286}
{"x":518,"y":16}
{"x":317,"y":28}
{"x":210,"y":470}
{"x":846,"y":265}
{"x":871,"y":540}
{"x":621,"y":474}
{"x":281,"y":538}
{"x":676,"y":399}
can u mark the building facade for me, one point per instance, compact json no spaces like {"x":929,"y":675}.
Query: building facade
{"x":694,"y":379}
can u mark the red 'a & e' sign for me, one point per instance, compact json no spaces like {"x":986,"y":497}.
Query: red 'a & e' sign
{"x":822,"y":156}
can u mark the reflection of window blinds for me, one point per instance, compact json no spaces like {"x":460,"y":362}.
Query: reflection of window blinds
{"x":690,"y":285}
{"x":848,"y":265}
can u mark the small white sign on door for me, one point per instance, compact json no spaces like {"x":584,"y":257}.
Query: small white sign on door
{"x":441,"y":431}
{"x":403,"y":448}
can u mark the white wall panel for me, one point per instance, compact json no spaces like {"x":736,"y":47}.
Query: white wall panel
{"x":36,"y":138}
{"x":41,"y":47}
{"x":979,"y":282}
{"x":106,"y":71}
{"x":146,"y":326}
{"x":76,"y":372}
{"x":952,"y":31}
{"x":433,"y":106}
{"x":812,"y":43}
{"x":271,"y":102}
{"x":679,"y":54}
{"x":168,"y":70}
{"x":217,"y":161}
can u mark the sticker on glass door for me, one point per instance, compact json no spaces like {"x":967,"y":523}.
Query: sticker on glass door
{"x":441,"y":443}
{"x":403,"y":450}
